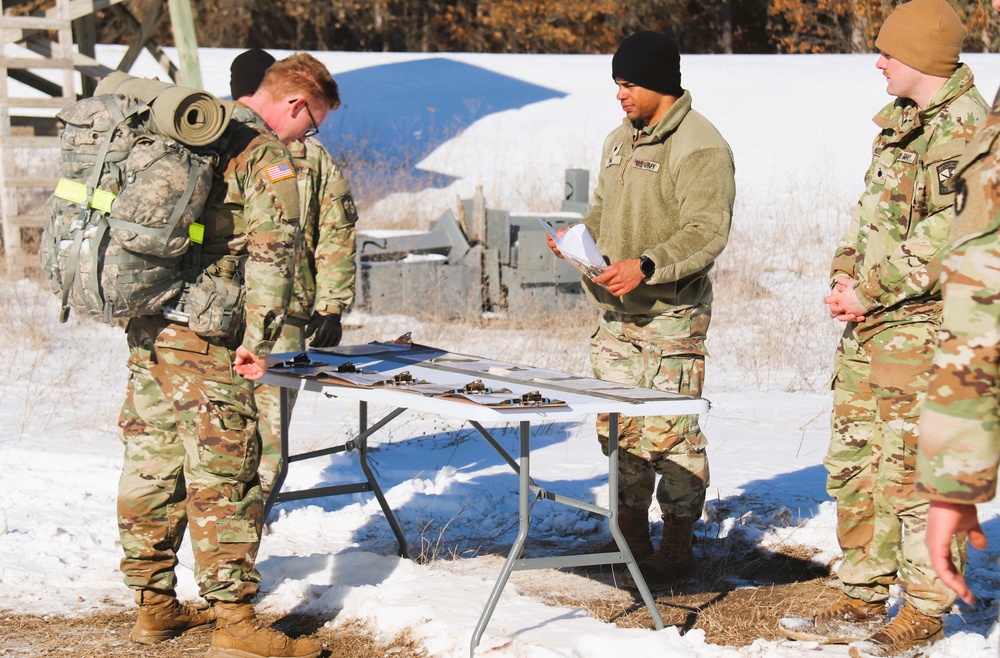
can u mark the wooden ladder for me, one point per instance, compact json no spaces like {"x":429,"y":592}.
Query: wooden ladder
{"x":27,"y":111}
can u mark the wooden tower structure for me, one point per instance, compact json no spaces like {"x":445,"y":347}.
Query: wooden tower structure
{"x":47,"y":62}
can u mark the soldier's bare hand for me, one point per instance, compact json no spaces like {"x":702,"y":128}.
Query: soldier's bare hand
{"x":944,"y":522}
{"x":552,"y":246}
{"x":248,"y":365}
{"x":844,"y":303}
{"x":622,"y":277}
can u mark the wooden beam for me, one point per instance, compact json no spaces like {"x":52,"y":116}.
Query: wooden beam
{"x":85,"y":36}
{"x":182,"y":23}
{"x":43,"y":85}
{"x":143,"y":32}
{"x":77,"y":9}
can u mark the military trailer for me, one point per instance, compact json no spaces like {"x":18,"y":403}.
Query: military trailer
{"x":474,"y":261}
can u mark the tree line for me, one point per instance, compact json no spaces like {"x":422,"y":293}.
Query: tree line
{"x":543,"y":26}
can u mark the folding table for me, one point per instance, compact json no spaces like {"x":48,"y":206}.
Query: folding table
{"x":478,"y":391}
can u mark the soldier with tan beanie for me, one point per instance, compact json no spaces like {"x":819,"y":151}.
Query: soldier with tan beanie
{"x":885,"y":286}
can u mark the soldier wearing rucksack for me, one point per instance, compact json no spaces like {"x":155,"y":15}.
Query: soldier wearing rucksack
{"x":325,"y":270}
{"x":189,"y":423}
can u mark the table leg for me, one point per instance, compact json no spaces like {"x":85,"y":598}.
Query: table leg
{"x":359,"y":443}
{"x":279,"y":478}
{"x":633,"y":568}
{"x":524,"y":518}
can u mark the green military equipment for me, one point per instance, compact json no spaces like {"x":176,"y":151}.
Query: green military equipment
{"x":212,"y":305}
{"x":121,"y":217}
{"x":472,"y":261}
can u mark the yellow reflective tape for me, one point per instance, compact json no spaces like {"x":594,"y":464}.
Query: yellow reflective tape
{"x":197,"y":233}
{"x":77,"y":193}
{"x":71,"y":191}
{"x":102,"y":200}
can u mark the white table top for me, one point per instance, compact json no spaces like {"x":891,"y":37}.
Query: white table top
{"x":582,"y":395}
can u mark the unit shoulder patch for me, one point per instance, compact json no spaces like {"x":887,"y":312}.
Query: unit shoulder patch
{"x":945,"y":174}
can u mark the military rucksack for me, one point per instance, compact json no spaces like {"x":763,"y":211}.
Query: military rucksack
{"x":123,"y":214}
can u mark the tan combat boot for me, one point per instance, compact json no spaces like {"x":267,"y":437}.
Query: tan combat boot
{"x":162,"y":617}
{"x":675,"y":557}
{"x":845,"y":621}
{"x":905,"y":636}
{"x":634,"y":524}
{"x":238,"y":634}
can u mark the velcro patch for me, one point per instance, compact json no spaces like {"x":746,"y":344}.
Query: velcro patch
{"x":280,"y":171}
{"x":909,"y":157}
{"x":960,"y":195}
{"x":646,"y":165}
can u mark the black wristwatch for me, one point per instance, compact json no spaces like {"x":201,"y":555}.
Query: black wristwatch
{"x":647,"y":266}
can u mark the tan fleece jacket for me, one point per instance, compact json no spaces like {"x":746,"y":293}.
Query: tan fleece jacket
{"x":667,"y":195}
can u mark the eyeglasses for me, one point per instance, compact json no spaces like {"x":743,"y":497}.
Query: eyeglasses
{"x":315,"y":129}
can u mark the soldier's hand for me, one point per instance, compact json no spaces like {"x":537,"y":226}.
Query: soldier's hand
{"x":622,"y":277}
{"x":324,"y":329}
{"x":552,"y":246}
{"x":944,"y":522}
{"x":249,"y":365}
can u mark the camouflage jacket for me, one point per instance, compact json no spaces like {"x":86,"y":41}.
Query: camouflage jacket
{"x":959,"y":446}
{"x":325,"y":269}
{"x":253,"y":210}
{"x":666,"y":193}
{"x":900,"y":225}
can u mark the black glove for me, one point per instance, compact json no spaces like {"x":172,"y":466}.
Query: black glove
{"x":324,"y":329}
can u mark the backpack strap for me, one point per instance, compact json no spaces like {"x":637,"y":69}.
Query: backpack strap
{"x":85,"y":215}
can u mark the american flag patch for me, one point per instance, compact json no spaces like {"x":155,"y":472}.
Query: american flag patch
{"x":280,"y":171}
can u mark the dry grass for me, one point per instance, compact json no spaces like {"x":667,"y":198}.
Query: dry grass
{"x":105,"y":635}
{"x":734,"y":599}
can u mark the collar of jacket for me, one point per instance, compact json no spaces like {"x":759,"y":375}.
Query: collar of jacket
{"x":668,"y":124}
{"x":244,"y":114}
{"x":902,"y":114}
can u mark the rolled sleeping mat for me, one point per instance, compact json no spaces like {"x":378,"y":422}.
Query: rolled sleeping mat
{"x":190,"y":116}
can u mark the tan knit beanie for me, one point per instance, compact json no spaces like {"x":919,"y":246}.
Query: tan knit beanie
{"x":924,"y":34}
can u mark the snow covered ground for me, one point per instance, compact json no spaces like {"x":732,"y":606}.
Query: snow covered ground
{"x":800,"y":128}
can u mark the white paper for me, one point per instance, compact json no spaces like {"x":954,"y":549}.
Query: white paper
{"x":578,"y":248}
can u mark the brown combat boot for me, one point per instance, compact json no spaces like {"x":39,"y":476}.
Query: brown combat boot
{"x":634,"y":524}
{"x":238,"y":634}
{"x":845,"y":621}
{"x":904,"y":637}
{"x":162,"y":617}
{"x":675,"y":558}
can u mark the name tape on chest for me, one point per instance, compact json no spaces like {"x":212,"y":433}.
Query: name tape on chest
{"x":646,"y":165}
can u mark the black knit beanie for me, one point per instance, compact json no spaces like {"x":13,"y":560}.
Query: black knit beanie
{"x":651,"y":60}
{"x":247,"y":71}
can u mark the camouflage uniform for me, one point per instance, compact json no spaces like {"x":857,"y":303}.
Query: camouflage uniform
{"x":959,"y":439}
{"x":893,"y":250}
{"x":665,"y":352}
{"x":188,"y":423}
{"x":324,"y":277}
{"x":654,"y":336}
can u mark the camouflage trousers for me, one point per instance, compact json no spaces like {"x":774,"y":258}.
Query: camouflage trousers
{"x":879,"y":387}
{"x":189,"y":430}
{"x":292,"y":340}
{"x":665,"y":352}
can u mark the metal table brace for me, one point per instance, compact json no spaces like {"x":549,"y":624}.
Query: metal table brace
{"x":526,"y":487}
